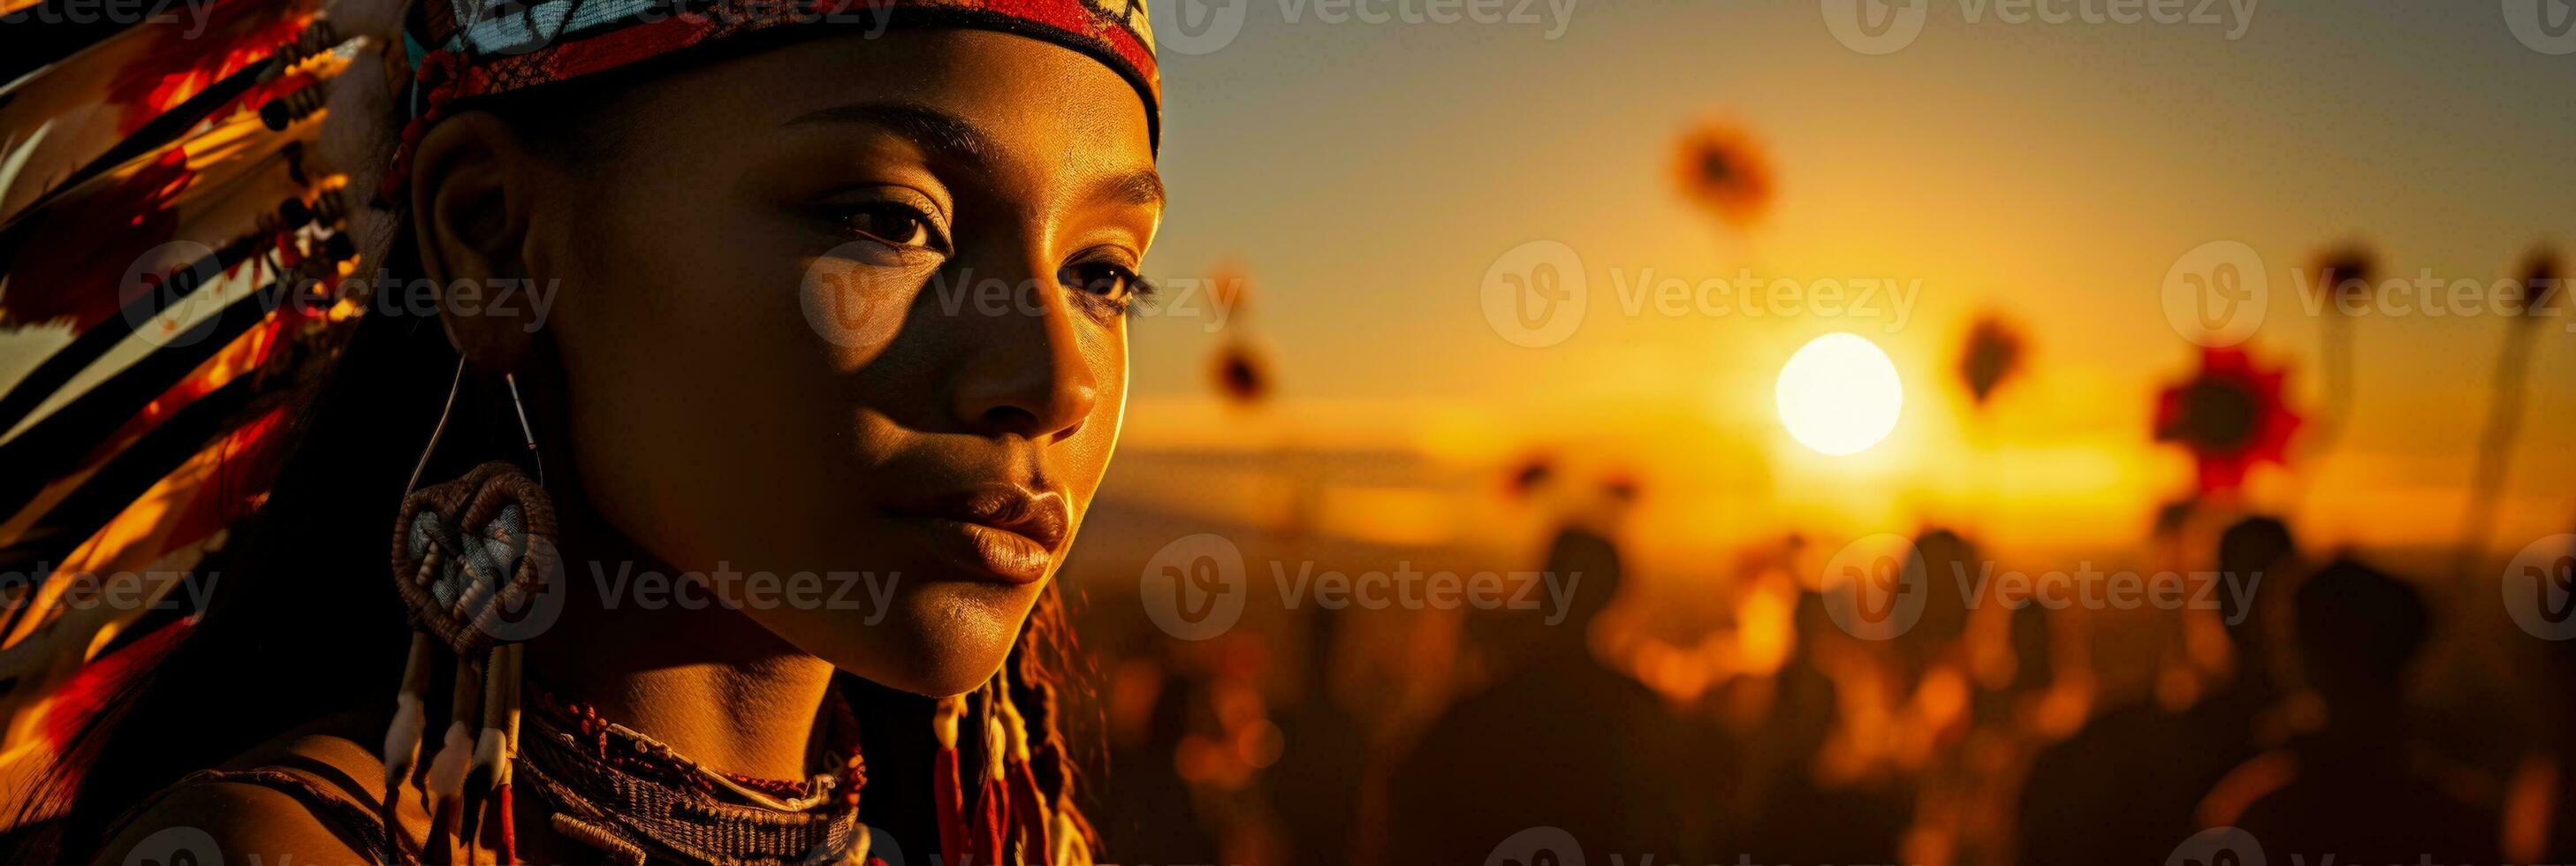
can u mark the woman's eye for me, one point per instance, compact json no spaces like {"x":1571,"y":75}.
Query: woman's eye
{"x":892,"y":224}
{"x":1103,"y":280}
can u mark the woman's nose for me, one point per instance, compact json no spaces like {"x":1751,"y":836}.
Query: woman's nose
{"x":1024,"y":370}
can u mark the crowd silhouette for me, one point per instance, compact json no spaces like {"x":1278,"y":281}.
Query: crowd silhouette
{"x":1983,"y":734}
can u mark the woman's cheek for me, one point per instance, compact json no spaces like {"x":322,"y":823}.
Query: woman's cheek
{"x":856,"y":297}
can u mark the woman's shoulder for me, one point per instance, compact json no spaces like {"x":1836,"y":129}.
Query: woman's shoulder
{"x":313,"y":796}
{"x":228,"y":821}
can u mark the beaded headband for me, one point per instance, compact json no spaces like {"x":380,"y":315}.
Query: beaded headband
{"x":461,"y":49}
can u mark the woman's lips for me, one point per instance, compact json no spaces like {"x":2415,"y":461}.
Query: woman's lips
{"x":1008,"y":555}
{"x":1002,"y":531}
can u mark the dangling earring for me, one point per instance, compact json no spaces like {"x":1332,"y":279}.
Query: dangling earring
{"x":466,"y":553}
{"x":1009,"y":818}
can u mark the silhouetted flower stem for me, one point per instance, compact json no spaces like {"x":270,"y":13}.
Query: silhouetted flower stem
{"x":2505,"y":402}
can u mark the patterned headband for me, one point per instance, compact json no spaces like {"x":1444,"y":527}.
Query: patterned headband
{"x":459,"y":49}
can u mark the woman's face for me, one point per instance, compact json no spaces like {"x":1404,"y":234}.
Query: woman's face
{"x":855,"y":307}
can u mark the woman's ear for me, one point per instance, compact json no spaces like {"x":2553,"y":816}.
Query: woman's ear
{"x":473,"y":186}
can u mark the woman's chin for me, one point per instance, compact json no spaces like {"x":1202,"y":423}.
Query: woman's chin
{"x":939,"y":638}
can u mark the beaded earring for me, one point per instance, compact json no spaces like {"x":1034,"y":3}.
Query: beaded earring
{"x":467,"y":555}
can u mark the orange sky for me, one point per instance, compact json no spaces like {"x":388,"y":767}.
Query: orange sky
{"x":1368,"y":176}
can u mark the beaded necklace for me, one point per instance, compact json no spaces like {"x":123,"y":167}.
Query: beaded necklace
{"x":637,"y":799}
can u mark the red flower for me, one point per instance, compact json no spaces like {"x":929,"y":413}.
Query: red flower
{"x":2231,"y":415}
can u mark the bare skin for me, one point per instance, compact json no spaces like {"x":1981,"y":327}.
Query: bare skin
{"x":698,"y":420}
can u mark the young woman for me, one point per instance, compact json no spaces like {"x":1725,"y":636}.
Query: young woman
{"x":818,"y":358}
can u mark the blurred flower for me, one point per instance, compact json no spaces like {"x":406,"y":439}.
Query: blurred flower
{"x":1721,"y":169}
{"x":1622,"y":487}
{"x":1528,"y":475}
{"x":2345,"y":274}
{"x":1992,"y":356}
{"x":2172,"y":518}
{"x":2230,"y":414}
{"x":1242,"y":375}
{"x":2540,"y":288}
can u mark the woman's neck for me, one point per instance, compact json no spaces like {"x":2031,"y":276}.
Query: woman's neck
{"x":710,"y":683}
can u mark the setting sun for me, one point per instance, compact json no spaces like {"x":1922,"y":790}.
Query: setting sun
{"x":1839,"y":394}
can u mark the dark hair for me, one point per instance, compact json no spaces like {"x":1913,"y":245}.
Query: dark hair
{"x":2358,"y":626}
{"x":2257,"y":546}
{"x":306,"y":623}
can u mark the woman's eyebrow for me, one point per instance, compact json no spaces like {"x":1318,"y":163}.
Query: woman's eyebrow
{"x":1142,"y":187}
{"x":929,"y":127}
